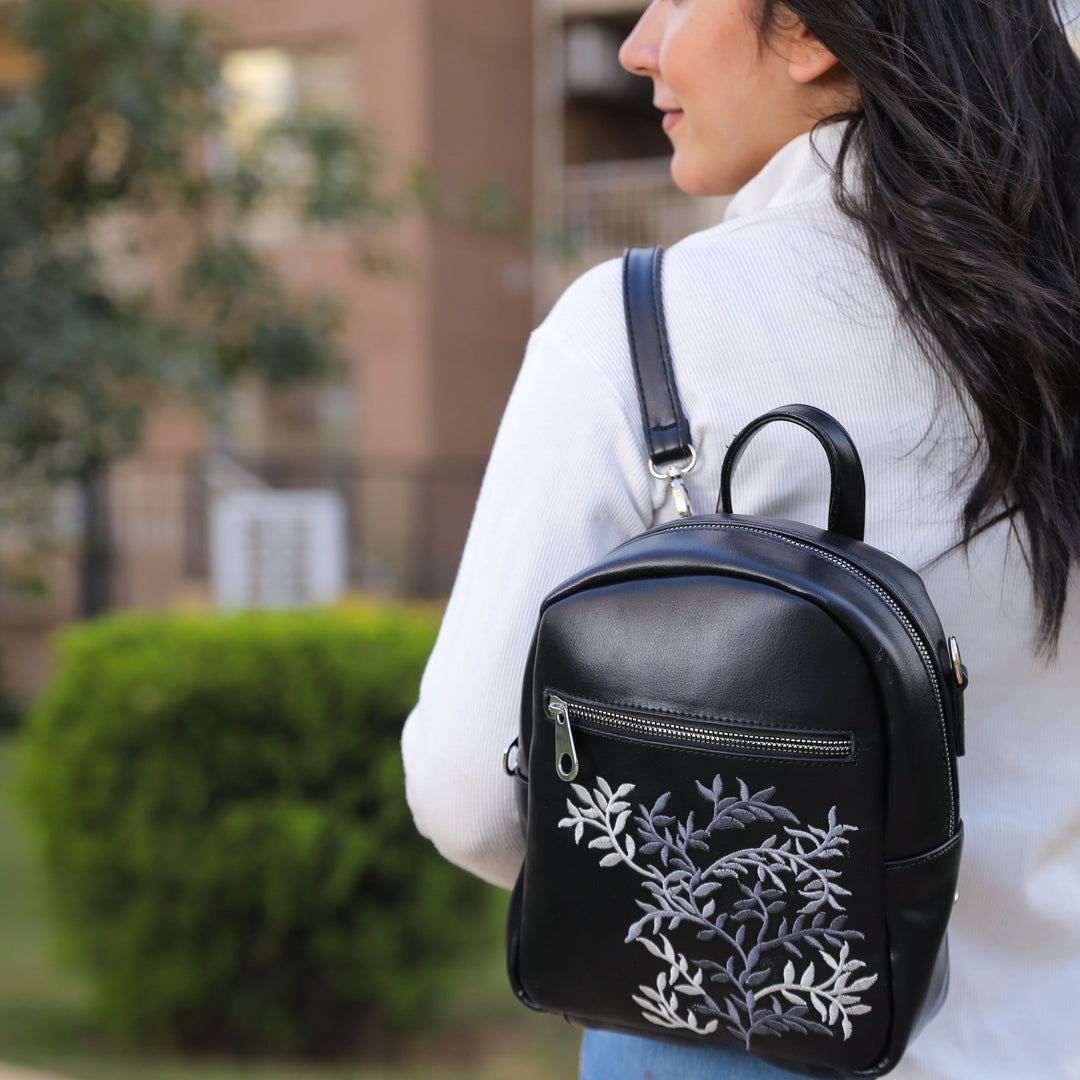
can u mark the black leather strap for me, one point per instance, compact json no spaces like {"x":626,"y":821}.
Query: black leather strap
{"x":667,"y":431}
{"x":847,"y":500}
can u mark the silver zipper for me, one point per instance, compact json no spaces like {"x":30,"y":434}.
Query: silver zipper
{"x":898,"y":611}
{"x":706,"y":734}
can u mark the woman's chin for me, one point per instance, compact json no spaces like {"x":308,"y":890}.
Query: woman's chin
{"x":693,"y":180}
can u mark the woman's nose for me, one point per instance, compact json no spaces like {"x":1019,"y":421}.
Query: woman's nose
{"x":640,"y":52}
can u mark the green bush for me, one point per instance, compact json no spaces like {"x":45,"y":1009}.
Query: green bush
{"x":220,"y":804}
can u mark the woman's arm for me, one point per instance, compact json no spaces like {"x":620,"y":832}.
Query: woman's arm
{"x":567,"y":481}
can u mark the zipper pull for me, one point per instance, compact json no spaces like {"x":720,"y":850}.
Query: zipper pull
{"x":681,"y":495}
{"x":566,"y":759}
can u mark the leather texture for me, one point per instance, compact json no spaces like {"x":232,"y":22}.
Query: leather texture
{"x":765,"y":625}
{"x":667,"y":431}
{"x":847,"y":498}
{"x":759,"y":842}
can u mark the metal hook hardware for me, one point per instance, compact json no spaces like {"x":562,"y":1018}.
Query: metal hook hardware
{"x":674,"y":475}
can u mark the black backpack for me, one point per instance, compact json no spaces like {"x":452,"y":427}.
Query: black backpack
{"x":737,"y":766}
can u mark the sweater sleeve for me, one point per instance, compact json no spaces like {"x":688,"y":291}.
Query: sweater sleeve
{"x":566,"y":482}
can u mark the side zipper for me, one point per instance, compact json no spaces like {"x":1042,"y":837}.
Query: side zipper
{"x":672,"y":730}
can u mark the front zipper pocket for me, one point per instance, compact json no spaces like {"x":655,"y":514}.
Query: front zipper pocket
{"x":720,"y":736}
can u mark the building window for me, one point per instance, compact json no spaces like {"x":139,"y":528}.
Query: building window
{"x":608,"y":113}
{"x":266,"y":86}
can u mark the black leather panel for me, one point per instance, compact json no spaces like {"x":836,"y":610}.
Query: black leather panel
{"x":801,"y":639}
{"x":919,"y":897}
{"x":915,"y":821}
{"x":811,"y":676}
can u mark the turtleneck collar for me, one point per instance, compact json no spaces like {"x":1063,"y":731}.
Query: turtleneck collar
{"x":793,"y":174}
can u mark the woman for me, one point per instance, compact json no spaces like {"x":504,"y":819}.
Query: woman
{"x":901,"y":252}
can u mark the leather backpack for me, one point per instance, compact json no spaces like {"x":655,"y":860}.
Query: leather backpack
{"x":737,"y":769}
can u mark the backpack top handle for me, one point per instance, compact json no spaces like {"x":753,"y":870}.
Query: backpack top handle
{"x":847,"y":498}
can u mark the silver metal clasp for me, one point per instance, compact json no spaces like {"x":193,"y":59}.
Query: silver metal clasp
{"x":674,"y":476}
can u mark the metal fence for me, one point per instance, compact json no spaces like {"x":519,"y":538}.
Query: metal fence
{"x":406,"y":525}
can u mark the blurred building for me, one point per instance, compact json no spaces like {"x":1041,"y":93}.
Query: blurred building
{"x":432,"y":349}
{"x":524,"y":93}
{"x":603,"y":159}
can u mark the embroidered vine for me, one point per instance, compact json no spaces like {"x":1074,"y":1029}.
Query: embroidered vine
{"x":789,"y":901}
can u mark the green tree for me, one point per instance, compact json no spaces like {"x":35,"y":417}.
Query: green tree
{"x":114,"y":130}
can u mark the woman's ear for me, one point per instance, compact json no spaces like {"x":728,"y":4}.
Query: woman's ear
{"x":807,"y":58}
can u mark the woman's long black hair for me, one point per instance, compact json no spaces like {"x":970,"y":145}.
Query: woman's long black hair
{"x":968,"y":129}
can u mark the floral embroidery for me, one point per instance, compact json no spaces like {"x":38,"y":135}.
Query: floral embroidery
{"x":749,"y":994}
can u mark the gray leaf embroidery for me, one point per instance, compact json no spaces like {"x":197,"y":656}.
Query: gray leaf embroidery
{"x":789,"y":902}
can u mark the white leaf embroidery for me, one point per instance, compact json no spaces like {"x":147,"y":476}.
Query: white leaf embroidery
{"x":677,"y":879}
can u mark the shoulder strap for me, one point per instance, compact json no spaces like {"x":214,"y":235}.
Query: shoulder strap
{"x":667,"y":431}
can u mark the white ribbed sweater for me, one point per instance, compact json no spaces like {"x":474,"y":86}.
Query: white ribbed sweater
{"x":779,"y":304}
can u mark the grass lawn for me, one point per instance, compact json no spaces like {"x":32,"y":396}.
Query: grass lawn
{"x":45,"y":1021}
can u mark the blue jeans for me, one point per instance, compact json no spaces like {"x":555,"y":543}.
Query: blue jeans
{"x":606,"y":1055}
